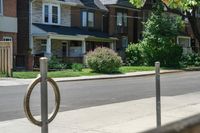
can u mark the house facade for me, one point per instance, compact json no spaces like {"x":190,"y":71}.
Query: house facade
{"x":8,"y":22}
{"x":123,"y":21}
{"x":67,"y":29}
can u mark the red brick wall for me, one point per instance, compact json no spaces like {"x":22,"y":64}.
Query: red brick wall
{"x":75,"y":17}
{"x":112,"y":20}
{"x":10,"y":8}
{"x":98,"y":20}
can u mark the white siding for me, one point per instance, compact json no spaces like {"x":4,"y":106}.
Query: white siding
{"x":8,"y":24}
{"x":37,"y":13}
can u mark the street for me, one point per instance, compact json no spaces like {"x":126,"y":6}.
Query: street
{"x":82,"y":94}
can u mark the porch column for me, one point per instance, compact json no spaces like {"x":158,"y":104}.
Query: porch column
{"x":84,"y":51}
{"x":48,"y":48}
{"x":84,"y":47}
{"x":113,"y":45}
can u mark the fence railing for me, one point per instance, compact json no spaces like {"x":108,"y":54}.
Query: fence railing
{"x":6,"y":58}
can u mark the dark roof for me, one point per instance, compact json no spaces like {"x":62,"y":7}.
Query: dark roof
{"x":123,"y":3}
{"x":96,"y":4}
{"x":61,"y":30}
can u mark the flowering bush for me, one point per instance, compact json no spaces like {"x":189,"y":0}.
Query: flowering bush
{"x":104,"y":60}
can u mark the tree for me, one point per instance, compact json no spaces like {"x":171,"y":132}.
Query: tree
{"x":185,"y":8}
{"x":158,"y":43}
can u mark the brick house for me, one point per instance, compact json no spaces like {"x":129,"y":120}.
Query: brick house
{"x":8,"y":22}
{"x":123,"y":21}
{"x":67,"y":29}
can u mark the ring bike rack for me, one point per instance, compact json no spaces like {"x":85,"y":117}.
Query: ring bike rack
{"x":43,"y":79}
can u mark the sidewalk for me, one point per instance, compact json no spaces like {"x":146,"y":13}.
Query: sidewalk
{"x":127,"y":117}
{"x":13,"y":81}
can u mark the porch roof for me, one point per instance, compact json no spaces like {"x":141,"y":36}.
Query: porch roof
{"x":70,"y":31}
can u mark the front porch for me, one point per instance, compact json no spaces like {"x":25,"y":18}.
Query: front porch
{"x":69,"y":49}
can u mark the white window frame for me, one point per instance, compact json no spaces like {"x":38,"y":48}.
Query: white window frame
{"x":124,"y":41}
{"x":7,"y":39}
{"x":184,"y":37}
{"x":50,"y":14}
{"x":85,"y":19}
{"x":119,"y":19}
{"x":88,"y":20}
{"x":1,"y":8}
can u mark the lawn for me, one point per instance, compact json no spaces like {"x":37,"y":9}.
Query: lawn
{"x":85,"y":72}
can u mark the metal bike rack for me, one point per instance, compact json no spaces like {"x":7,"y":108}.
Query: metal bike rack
{"x":43,"y":79}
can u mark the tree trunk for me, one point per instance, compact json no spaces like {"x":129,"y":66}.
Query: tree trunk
{"x":195,"y":28}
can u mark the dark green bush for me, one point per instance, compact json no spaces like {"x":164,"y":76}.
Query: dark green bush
{"x":168,"y":54}
{"x":159,"y":40}
{"x":190,"y":60}
{"x":134,"y":55}
{"x":77,"y":67}
{"x":55,"y":63}
{"x":104,"y":60}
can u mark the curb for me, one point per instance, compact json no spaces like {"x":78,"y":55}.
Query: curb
{"x":116,"y":77}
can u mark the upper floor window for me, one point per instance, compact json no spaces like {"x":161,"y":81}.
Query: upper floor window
{"x":51,"y":14}
{"x":122,"y":19}
{"x":87,"y":19}
{"x":1,"y":7}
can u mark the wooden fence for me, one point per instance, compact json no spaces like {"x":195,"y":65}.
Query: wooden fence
{"x":6,"y":58}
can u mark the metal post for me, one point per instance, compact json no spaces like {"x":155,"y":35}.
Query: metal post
{"x":158,"y":104}
{"x":44,"y":94}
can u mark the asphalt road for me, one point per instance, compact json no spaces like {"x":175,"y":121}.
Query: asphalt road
{"x":82,"y":94}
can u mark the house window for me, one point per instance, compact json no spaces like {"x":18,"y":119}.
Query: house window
{"x":84,"y":19}
{"x":185,"y":43}
{"x":75,"y":49}
{"x":43,"y":45}
{"x":124,"y":42}
{"x":125,"y":19}
{"x":7,"y":39}
{"x":119,"y":19}
{"x":51,"y":14}
{"x":90,"y":19}
{"x":122,"y":19}
{"x":1,"y":7}
{"x":46,"y":14}
{"x":87,"y":19}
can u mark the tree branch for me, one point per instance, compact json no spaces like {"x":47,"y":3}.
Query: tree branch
{"x":175,"y":11}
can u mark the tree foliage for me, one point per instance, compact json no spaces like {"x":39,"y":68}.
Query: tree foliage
{"x":158,"y":43}
{"x":185,"y":8}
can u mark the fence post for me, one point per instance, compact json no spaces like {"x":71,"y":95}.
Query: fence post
{"x":44,"y":94}
{"x":158,"y":103}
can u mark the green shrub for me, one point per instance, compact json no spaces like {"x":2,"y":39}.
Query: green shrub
{"x":77,"y":67}
{"x":134,"y":55}
{"x":55,"y":63}
{"x":104,"y":60}
{"x":190,"y":60}
{"x":159,"y":40}
{"x":169,"y":54}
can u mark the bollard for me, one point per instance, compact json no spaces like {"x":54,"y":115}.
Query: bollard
{"x":44,"y":94}
{"x":158,"y":103}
